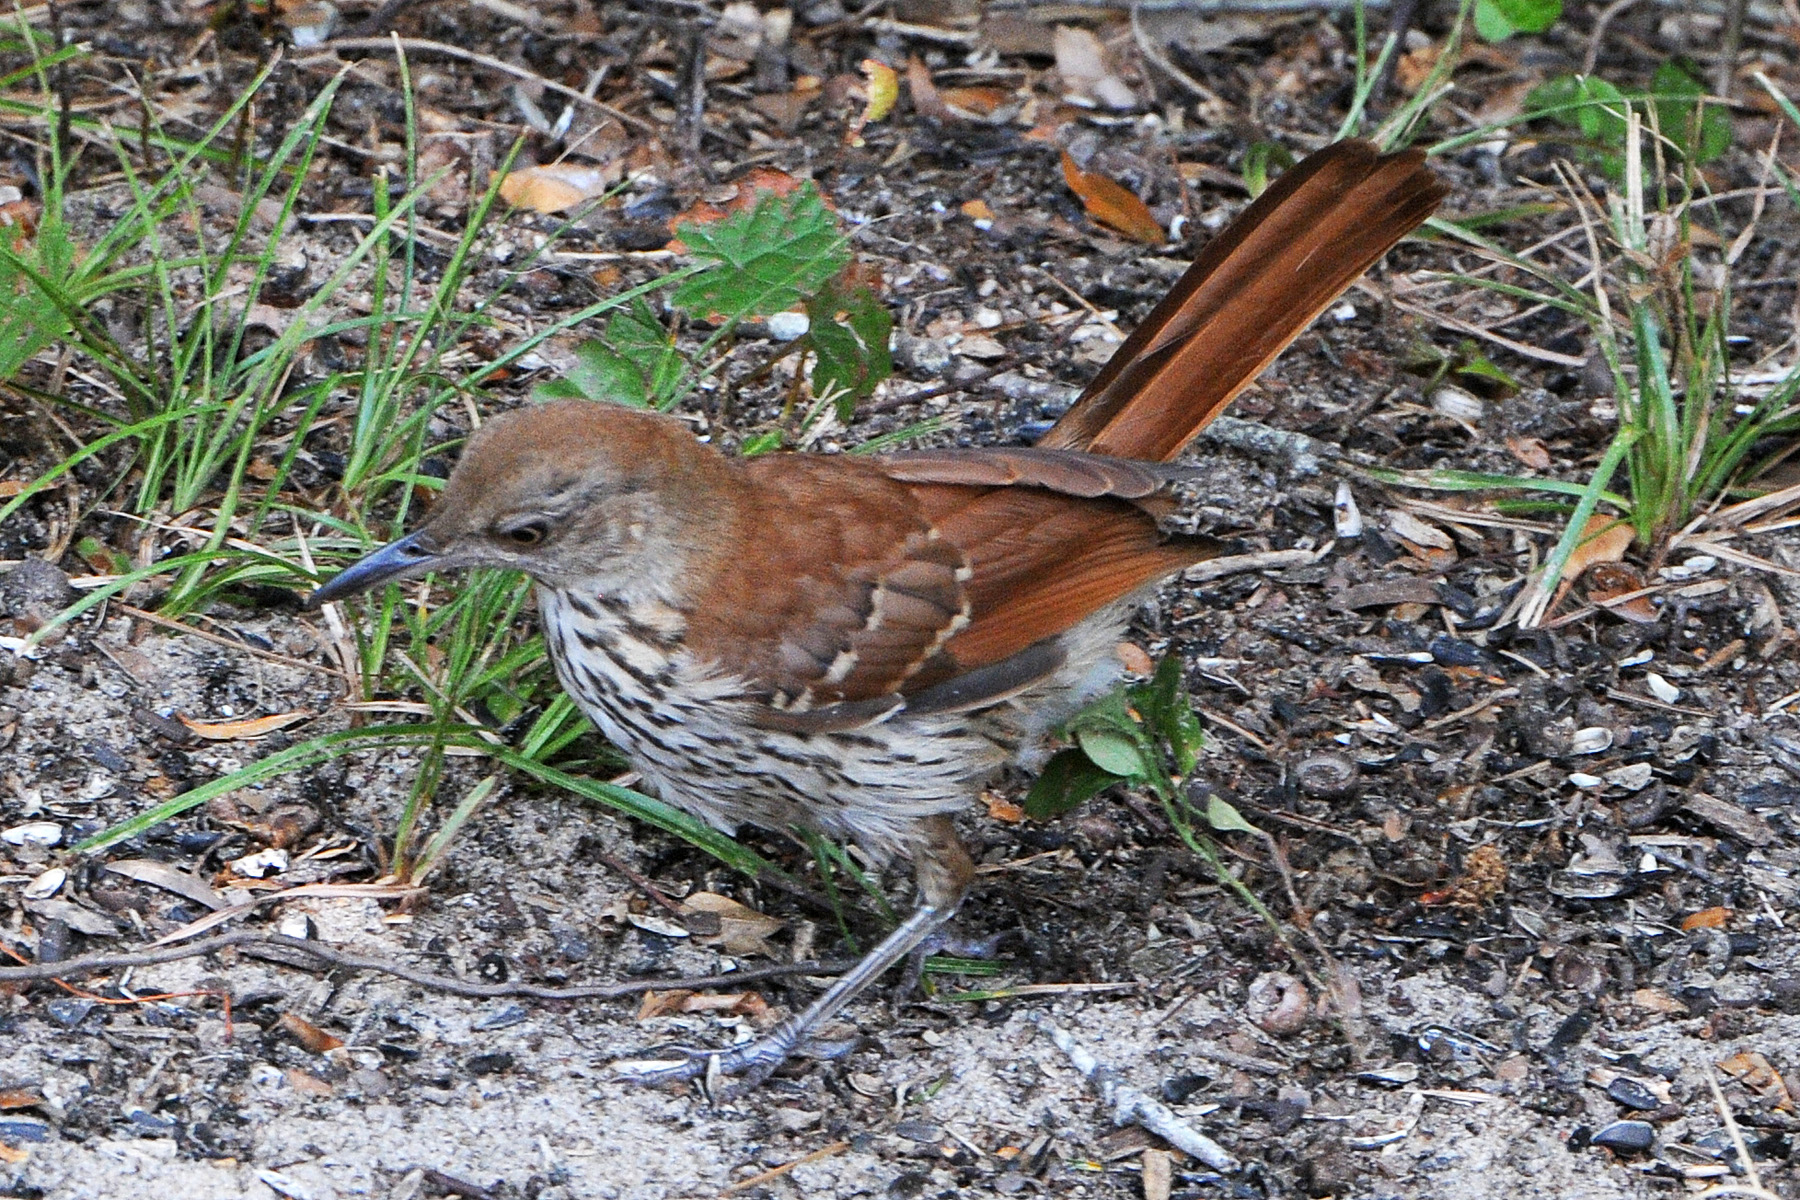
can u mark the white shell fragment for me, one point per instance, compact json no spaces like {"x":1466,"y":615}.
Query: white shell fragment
{"x":46,"y":885}
{"x":1661,"y":688}
{"x":262,"y":864}
{"x":1638,"y":659}
{"x":1591,"y":740}
{"x":1633,"y":778}
{"x":1458,"y":405}
{"x":36,"y":833}
{"x":1583,"y":780}
{"x":1345,"y":514}
{"x":661,"y":926}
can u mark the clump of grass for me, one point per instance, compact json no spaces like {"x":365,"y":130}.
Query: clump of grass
{"x":1689,"y":435}
{"x":205,"y":426}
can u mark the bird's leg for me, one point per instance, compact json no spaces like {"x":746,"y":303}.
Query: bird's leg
{"x":944,"y":871}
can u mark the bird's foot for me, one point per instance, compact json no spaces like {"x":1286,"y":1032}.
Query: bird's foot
{"x":748,"y":1064}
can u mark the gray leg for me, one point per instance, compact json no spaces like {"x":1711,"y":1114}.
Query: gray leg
{"x":944,"y":871}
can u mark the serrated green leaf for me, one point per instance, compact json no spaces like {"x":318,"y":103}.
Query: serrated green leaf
{"x":635,"y":363}
{"x":849,"y":332}
{"x":765,"y":260}
{"x":1070,"y":778}
{"x":1224,"y":818}
{"x":1116,"y":752}
{"x":1497,"y":20}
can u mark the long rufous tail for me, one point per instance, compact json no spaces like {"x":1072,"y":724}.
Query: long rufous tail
{"x":1253,"y":289}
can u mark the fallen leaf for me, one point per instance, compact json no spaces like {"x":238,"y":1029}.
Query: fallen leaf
{"x":1530,"y":451}
{"x":1754,"y":1072}
{"x":975,"y":210}
{"x":1136,"y":661}
{"x":20,"y":1097}
{"x":926,"y":100}
{"x":227,"y":731}
{"x":1716,"y":917}
{"x":1483,"y":878}
{"x":1411,"y":529}
{"x":311,"y":1038}
{"x":662,"y":1004}
{"x":1112,"y":204}
{"x":12,"y":1156}
{"x":1002,"y":809}
{"x":883,"y":90}
{"x":742,"y":930}
{"x":683,"y":1000}
{"x":976,"y":102}
{"x":1608,"y":581}
{"x":1086,"y":73}
{"x":1604,"y":539}
{"x":556,"y":187}
{"x":308,"y":1084}
{"x":169,"y":878}
{"x":1657,"y":1001}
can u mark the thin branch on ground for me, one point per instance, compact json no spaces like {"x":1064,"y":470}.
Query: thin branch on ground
{"x":277,"y":948}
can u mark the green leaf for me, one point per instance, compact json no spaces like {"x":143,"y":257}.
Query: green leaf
{"x":1070,"y":778}
{"x":636,"y":363}
{"x":1482,"y":376}
{"x":762,"y":443}
{"x":764,"y":261}
{"x":849,"y":332}
{"x":1702,"y":133}
{"x":1497,"y":20}
{"x":1169,"y":713}
{"x":1224,"y":818}
{"x":1115,"y":752}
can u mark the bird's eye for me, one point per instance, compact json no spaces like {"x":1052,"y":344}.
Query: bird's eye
{"x":526,"y":533}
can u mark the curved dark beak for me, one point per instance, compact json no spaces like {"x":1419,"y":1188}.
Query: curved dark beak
{"x":404,"y":559}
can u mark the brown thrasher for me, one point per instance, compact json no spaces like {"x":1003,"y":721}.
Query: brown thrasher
{"x":851,"y":645}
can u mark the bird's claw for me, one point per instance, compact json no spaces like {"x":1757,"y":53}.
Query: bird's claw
{"x":748,"y":1064}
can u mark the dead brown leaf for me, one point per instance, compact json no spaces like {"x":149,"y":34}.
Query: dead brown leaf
{"x":742,"y":931}
{"x":1608,"y":581}
{"x":1604,"y":539}
{"x":1530,"y":451}
{"x":557,"y":187}
{"x":1112,"y":204}
{"x":312,"y":1039}
{"x":1716,"y":917}
{"x":1754,"y":1072}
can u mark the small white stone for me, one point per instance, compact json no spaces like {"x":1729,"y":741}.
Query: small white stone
{"x":1633,"y":778}
{"x":1661,"y":688}
{"x":787,"y":326}
{"x":1583,"y":780}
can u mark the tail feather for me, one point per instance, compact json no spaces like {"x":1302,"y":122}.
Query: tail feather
{"x":1253,"y":289}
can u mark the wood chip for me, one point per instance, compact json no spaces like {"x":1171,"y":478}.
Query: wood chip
{"x":1739,"y":823}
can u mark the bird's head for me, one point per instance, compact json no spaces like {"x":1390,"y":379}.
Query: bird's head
{"x":573,"y":493}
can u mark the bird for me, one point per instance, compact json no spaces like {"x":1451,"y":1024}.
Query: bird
{"x":853,"y":645}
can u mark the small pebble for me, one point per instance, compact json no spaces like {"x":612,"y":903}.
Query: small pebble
{"x":1626,"y":1137}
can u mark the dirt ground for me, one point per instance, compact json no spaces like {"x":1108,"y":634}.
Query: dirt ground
{"x":1551,"y":903}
